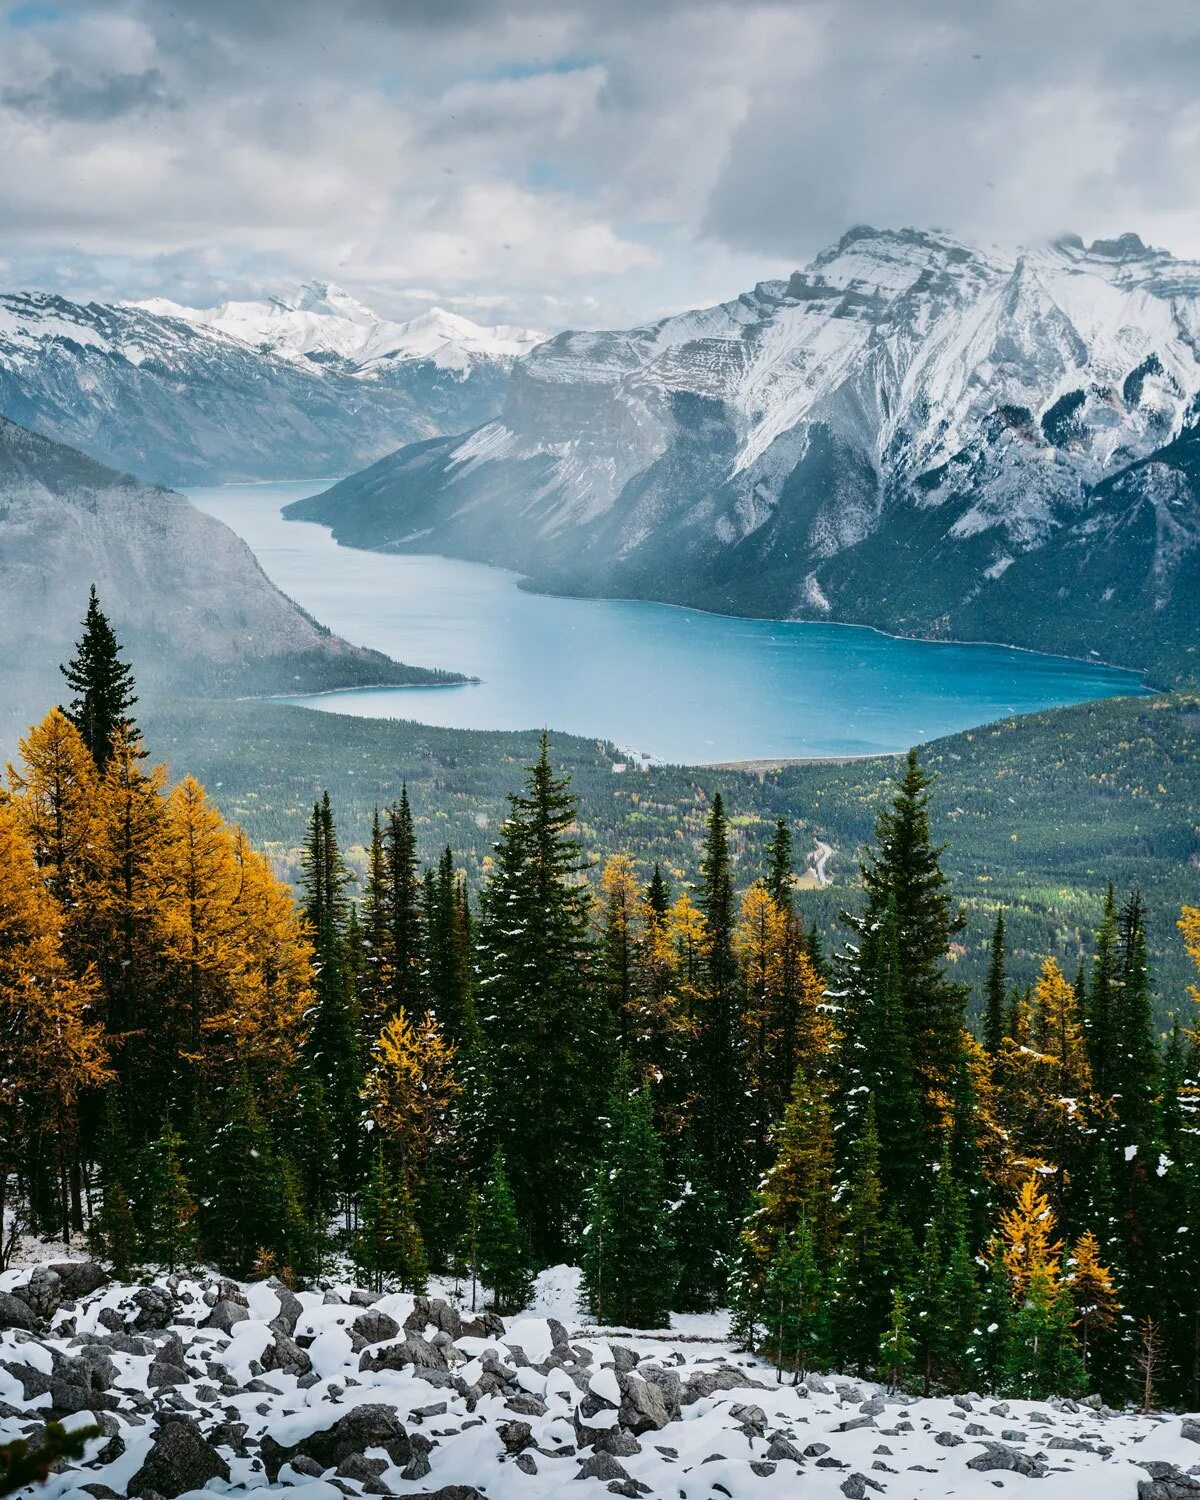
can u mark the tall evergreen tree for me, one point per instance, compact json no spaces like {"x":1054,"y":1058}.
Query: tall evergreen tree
{"x":546,"y":1044}
{"x":102,"y":684}
{"x":779,"y":863}
{"x":996,"y":990}
{"x":719,"y":1109}
{"x":389,"y":1248}
{"x":449,"y":956}
{"x":699,"y":1234}
{"x":505,"y":1262}
{"x":376,"y":941}
{"x":1102,"y":997}
{"x":629,"y":1270}
{"x":658,"y":894}
{"x":904,"y":870}
{"x":1133,"y":1070}
{"x":406,"y":938}
{"x":861,"y":1292}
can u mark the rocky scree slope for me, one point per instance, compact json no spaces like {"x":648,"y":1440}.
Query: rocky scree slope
{"x":207,"y":1384}
{"x":911,"y":433}
{"x":307,"y":385}
{"x":189,"y":601}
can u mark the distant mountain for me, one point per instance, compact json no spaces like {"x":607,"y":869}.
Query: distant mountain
{"x":194,"y":609}
{"x":912,"y":433}
{"x":306,"y":386}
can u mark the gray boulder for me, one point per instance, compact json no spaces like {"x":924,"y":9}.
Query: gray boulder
{"x":643,"y":1405}
{"x":43,"y":1292}
{"x":1168,"y":1483}
{"x":290,"y":1307}
{"x":162,"y":1373}
{"x":724,"y":1378}
{"x":375,"y":1327}
{"x":363,"y":1427}
{"x":180,"y":1459}
{"x":285,"y":1354}
{"x":15,"y":1312}
{"x":1190,"y":1429}
{"x":427,"y":1310}
{"x":79,"y":1278}
{"x":487,"y":1325}
{"x":1000,"y":1457}
{"x":414,"y":1350}
{"x":150,"y":1307}
{"x":516,"y":1436}
{"x":226,"y":1312}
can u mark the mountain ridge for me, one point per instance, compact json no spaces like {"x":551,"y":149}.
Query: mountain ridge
{"x":906,"y":433}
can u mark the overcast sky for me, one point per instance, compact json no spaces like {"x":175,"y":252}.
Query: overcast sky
{"x":557,"y":163}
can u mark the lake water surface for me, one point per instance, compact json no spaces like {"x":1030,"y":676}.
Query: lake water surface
{"x":675,"y":684}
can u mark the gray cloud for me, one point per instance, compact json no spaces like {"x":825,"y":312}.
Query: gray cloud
{"x":572,"y":162}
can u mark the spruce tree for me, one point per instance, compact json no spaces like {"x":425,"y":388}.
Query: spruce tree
{"x":903,"y":871}
{"x":546,"y":1044}
{"x":629,"y":1271}
{"x":699,"y":1233}
{"x":897,"y":1350}
{"x":718,"y":1079}
{"x":658,"y":894}
{"x":946,"y":1306}
{"x":102,"y":685}
{"x":795,"y":1304}
{"x":388,"y":1248}
{"x":996,"y":991}
{"x":1041,"y":1353}
{"x":406,"y":937}
{"x":448,"y":965}
{"x":1102,"y":998}
{"x":166,"y":1209}
{"x":861,"y":1295}
{"x":779,"y":864}
{"x":376,"y":941}
{"x":1133,"y":1071}
{"x":505,"y":1264}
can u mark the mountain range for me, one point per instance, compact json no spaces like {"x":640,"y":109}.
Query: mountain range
{"x":191,"y":605}
{"x":306,"y":385}
{"x":912,"y":433}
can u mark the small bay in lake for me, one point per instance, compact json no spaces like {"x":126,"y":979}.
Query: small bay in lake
{"x":674,"y":684}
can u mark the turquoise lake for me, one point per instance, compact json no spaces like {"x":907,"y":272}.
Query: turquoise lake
{"x":673,"y":684}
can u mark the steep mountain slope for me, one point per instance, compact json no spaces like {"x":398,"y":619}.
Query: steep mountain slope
{"x":311,"y":385}
{"x":190,"y":602}
{"x":909,"y":433}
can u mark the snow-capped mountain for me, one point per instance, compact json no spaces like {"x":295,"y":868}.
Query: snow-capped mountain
{"x":320,"y":322}
{"x":904,"y":433}
{"x":310,"y":385}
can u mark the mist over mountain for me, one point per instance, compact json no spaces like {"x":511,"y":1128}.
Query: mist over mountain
{"x":193,"y":608}
{"x":911,"y":432}
{"x":310,"y":384}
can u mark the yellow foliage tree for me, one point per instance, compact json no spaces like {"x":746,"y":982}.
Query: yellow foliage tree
{"x":51,"y":1047}
{"x":54,"y":793}
{"x":411,"y":1088}
{"x":1189,"y":925}
{"x":1028,"y":1246}
{"x":1092,"y":1289}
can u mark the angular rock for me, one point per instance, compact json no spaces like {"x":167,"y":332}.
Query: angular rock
{"x":486,"y":1325}
{"x":1170,"y":1484}
{"x":226,"y":1312}
{"x":643,"y":1405}
{"x":151,"y":1307}
{"x":180,"y":1459}
{"x":724,"y":1378}
{"x":43,"y":1292}
{"x":999,"y":1456}
{"x":290,"y":1307}
{"x":413,"y":1351}
{"x":375,"y":1327}
{"x":15,"y":1312}
{"x":602,"y":1466}
{"x":363,"y":1427}
{"x":79,"y":1278}
{"x":516,"y":1436}
{"x":161,"y":1373}
{"x":427,"y":1310}
{"x":285,"y":1354}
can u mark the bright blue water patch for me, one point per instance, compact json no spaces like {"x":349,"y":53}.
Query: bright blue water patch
{"x":676,"y":684}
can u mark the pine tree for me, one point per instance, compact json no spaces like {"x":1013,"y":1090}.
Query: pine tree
{"x":545,"y":1038}
{"x":505,"y":1264}
{"x":449,"y":957}
{"x":699,"y":1233}
{"x":897,"y":1351}
{"x":629,"y":1271}
{"x":996,"y":991}
{"x":622,"y":925}
{"x":166,"y":1209}
{"x":406,"y":926}
{"x":861,"y":1296}
{"x":795,"y":1304}
{"x":658,"y":894}
{"x":1102,"y":997}
{"x":1133,"y":1073}
{"x":1095,"y":1297}
{"x":410,"y":1090}
{"x":946,"y":1307}
{"x":779,"y":865}
{"x":1041,"y":1356}
{"x":388,"y":1249}
{"x":719,"y":1095}
{"x":904,"y":871}
{"x":375,"y":989}
{"x":102,"y":684}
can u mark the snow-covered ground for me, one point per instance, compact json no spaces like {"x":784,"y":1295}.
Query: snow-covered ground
{"x":203,"y":1384}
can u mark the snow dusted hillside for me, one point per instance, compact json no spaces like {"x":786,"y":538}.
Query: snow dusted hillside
{"x":309,"y":385}
{"x":884,"y":437}
{"x":215,"y":1386}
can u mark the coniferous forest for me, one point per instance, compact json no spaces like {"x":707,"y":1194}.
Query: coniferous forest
{"x":684,"y":1091}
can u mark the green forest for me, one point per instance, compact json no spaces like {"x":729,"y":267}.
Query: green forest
{"x":678,"y":1081}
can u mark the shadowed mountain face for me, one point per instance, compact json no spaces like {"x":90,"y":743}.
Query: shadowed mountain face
{"x":910,"y":433}
{"x":193,"y":608}
{"x":311,"y":385}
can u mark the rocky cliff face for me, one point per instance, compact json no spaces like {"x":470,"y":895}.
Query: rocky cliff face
{"x":193,"y":608}
{"x":911,"y":432}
